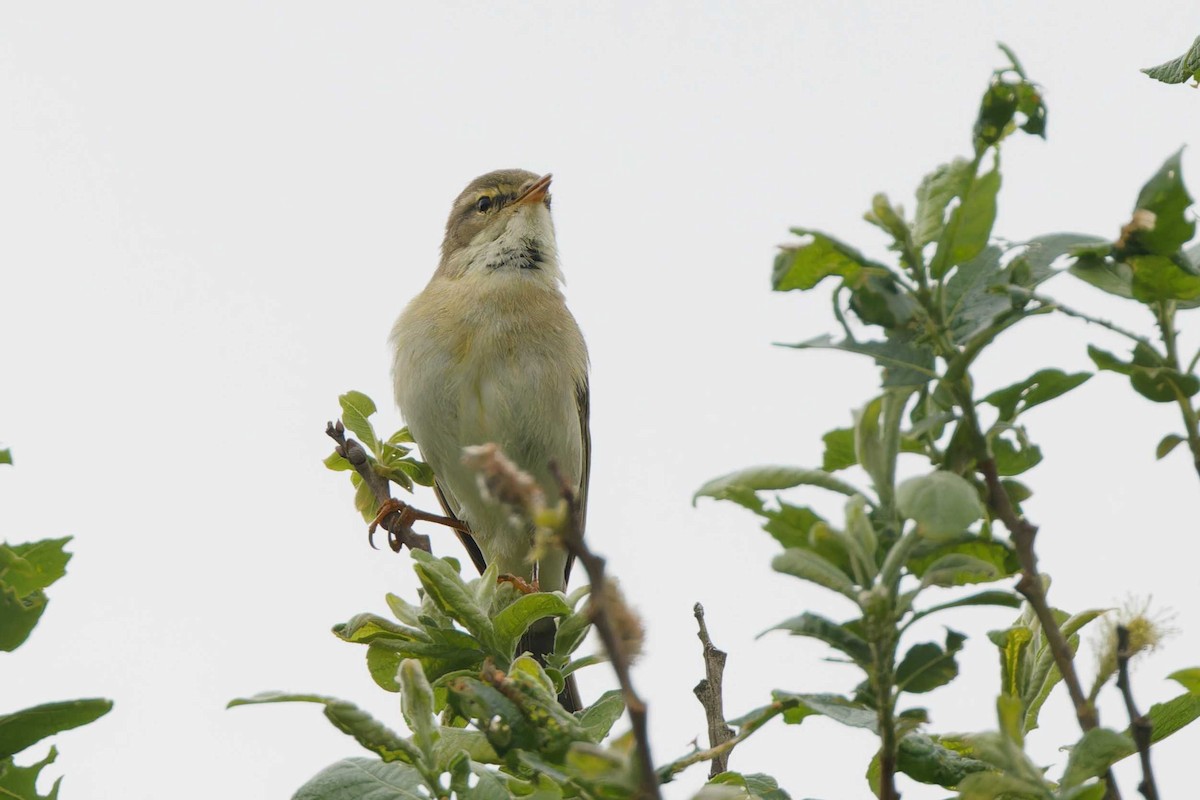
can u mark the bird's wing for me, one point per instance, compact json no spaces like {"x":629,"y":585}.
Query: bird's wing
{"x":583,"y":402}
{"x":468,"y":541}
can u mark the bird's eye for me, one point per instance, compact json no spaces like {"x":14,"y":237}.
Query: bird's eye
{"x":483,"y":204}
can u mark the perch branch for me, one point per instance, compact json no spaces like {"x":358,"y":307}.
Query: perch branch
{"x":709,"y":692}
{"x":762,"y":717}
{"x":400,"y":532}
{"x":1139,"y":725}
{"x":572,"y":537}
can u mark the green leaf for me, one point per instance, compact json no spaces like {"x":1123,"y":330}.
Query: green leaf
{"x":356,"y":408}
{"x":1168,"y":443}
{"x":1093,"y":754}
{"x":1107,"y":275}
{"x":1014,"y":458}
{"x":836,"y":636}
{"x":1038,"y":388}
{"x":957,"y":569}
{"x":18,"y":616}
{"x":5,"y":456}
{"x":28,"y":567}
{"x":991,"y":597}
{"x":997,"y":553}
{"x":349,"y":719}
{"x":1158,"y":278}
{"x":970,"y":225}
{"x":905,"y":361}
{"x":927,"y":760}
{"x":364,"y":628}
{"x":890,"y":219}
{"x":880,"y":300}
{"x":29,"y":726}
{"x":446,"y":588}
{"x":927,"y":666}
{"x":1167,"y":199}
{"x":835,"y":707}
{"x":804,"y":266}
{"x":337,"y":463}
{"x":757,"y":479}
{"x":1188,"y":678}
{"x":364,"y":779}
{"x":1148,"y":374}
{"x":809,"y":566}
{"x":839,"y":450}
{"x":598,"y":718}
{"x":1179,"y":70}
{"x":1013,"y":644}
{"x":416,"y":704}
{"x":513,"y":621}
{"x":934,"y":194}
{"x":1035,"y":264}
{"x":791,"y":525}
{"x":21,"y":782}
{"x":364,"y":498}
{"x":974,"y":296}
{"x":755,"y":785}
{"x":1169,"y":717}
{"x":941,"y":503}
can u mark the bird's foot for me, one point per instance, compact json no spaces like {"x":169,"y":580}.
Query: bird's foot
{"x":407,"y":517}
{"x":520,"y":584}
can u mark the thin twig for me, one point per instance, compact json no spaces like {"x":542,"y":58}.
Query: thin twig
{"x":593,"y":564}
{"x":750,"y":726}
{"x":1051,"y":304}
{"x":1030,"y":585}
{"x":709,"y":692}
{"x":400,"y":534}
{"x":1139,"y":725}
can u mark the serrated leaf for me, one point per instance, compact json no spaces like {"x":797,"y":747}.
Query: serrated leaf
{"x":809,"y":566}
{"x":941,"y":503}
{"x":1014,"y":458}
{"x":1179,"y":70}
{"x":836,"y":636}
{"x":24,"y":728}
{"x":790,"y":525}
{"x":356,"y":410}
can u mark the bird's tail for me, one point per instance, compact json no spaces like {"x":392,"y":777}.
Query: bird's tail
{"x":539,"y":641}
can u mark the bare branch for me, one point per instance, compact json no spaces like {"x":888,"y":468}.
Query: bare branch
{"x":722,"y":750}
{"x":601,"y":617}
{"x":400,"y":532}
{"x":1139,"y":725}
{"x":709,"y":692}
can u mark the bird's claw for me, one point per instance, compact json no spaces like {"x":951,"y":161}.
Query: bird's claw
{"x":520,"y":584}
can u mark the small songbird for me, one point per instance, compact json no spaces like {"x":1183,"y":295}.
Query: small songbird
{"x":489,"y":353}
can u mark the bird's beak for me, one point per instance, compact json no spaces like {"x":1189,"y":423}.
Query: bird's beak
{"x":536,"y":192}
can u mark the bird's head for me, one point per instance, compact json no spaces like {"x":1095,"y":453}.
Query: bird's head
{"x":500,"y":224}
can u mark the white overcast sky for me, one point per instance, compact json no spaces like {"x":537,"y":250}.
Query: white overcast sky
{"x":211,"y":213}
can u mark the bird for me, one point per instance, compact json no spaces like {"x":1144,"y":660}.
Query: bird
{"x":488,"y":353}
